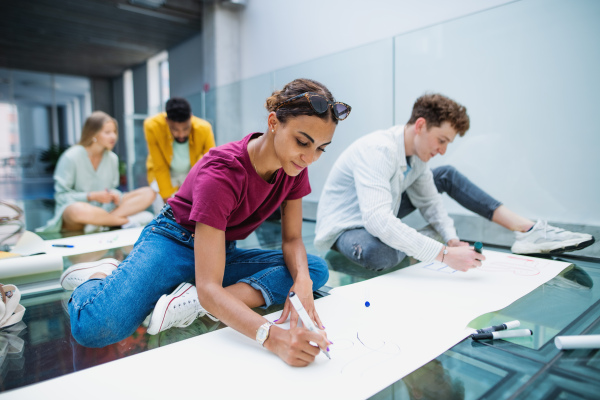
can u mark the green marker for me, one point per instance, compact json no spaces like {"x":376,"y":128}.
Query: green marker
{"x":478,"y":247}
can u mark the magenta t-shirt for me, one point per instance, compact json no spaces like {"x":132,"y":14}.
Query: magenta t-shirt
{"x":224,"y":191}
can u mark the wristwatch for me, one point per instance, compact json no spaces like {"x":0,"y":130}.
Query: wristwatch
{"x":262,"y":334}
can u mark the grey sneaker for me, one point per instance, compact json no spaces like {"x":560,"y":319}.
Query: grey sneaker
{"x":544,"y":239}
{"x":428,"y":231}
{"x":76,"y":274}
{"x":179,"y":309}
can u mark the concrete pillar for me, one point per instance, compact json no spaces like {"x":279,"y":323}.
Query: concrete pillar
{"x":222,"y":68}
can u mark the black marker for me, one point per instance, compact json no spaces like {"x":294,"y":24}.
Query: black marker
{"x":501,"y":327}
{"x":478,"y":247}
{"x":502,"y":334}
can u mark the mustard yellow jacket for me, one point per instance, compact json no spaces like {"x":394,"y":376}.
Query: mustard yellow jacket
{"x":160,"y":149}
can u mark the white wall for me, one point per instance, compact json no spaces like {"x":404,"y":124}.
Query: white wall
{"x":275,"y":34}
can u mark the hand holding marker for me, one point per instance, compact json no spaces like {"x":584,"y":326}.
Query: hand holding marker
{"x":306,"y":321}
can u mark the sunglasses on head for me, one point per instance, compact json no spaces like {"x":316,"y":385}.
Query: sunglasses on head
{"x":320,"y":105}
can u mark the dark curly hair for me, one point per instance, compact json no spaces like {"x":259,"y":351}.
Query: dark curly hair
{"x":178,"y":109}
{"x":437,"y":109}
{"x":301,"y":105}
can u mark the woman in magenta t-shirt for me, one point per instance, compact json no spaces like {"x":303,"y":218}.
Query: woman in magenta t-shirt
{"x":224,"y":198}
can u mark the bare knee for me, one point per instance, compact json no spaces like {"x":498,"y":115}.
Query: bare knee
{"x":76,"y":215}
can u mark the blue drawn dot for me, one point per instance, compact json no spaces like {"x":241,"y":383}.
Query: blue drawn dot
{"x":367,"y":304}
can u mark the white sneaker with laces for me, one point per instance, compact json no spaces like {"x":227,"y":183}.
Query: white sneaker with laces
{"x":179,"y":309}
{"x":89,"y":228}
{"x":76,"y":274}
{"x":140,"y":219}
{"x":544,"y":238}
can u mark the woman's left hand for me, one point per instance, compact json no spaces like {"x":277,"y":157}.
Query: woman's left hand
{"x":303,"y":290}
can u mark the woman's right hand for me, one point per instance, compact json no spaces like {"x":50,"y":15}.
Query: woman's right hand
{"x":293,"y":346}
{"x":461,"y":258}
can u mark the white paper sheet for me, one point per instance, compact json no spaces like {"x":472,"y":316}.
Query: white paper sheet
{"x":94,"y":242}
{"x":415,"y":314}
{"x":30,"y":243}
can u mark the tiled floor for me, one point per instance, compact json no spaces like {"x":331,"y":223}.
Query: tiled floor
{"x":42,"y":348}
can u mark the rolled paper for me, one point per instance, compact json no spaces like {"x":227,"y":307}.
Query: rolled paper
{"x":29,"y":265}
{"x":577,"y":342}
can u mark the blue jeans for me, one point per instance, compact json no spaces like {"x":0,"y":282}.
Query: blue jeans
{"x":105,"y":311}
{"x":361,"y":247}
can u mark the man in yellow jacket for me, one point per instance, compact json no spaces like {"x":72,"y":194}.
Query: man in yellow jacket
{"x":176,"y":141}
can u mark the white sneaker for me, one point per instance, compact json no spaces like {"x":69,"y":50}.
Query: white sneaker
{"x":178,"y":309}
{"x":76,"y":274}
{"x":544,"y":238}
{"x":140,"y":219}
{"x":431,"y":233}
{"x":11,"y":311}
{"x":89,"y":228}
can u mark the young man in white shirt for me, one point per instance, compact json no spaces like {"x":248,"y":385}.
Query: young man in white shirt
{"x":384,"y":176}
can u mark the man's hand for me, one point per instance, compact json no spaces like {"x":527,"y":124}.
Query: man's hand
{"x":456,"y":243}
{"x":461,"y":258}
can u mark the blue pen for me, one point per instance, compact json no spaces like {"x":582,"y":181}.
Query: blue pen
{"x":63,"y":245}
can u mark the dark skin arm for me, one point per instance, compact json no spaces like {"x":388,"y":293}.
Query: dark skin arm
{"x":232,"y":304}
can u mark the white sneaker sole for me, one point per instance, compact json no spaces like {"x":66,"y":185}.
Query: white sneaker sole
{"x":553,"y":248}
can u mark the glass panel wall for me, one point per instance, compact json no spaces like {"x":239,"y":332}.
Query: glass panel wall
{"x":524,"y":70}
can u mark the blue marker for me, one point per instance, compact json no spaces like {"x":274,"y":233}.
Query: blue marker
{"x":478,"y":247}
{"x":63,"y":245}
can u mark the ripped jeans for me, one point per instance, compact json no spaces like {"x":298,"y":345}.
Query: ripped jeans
{"x":361,"y":247}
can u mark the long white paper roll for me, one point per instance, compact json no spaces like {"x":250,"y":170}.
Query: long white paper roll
{"x":577,"y":342}
{"x":29,"y":265}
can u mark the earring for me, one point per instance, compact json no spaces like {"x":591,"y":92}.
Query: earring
{"x":272,"y":130}
{"x":94,"y":140}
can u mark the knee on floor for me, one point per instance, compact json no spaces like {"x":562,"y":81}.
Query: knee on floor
{"x":319,"y":273}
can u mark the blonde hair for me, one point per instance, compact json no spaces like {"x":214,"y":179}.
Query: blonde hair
{"x":93,"y":124}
